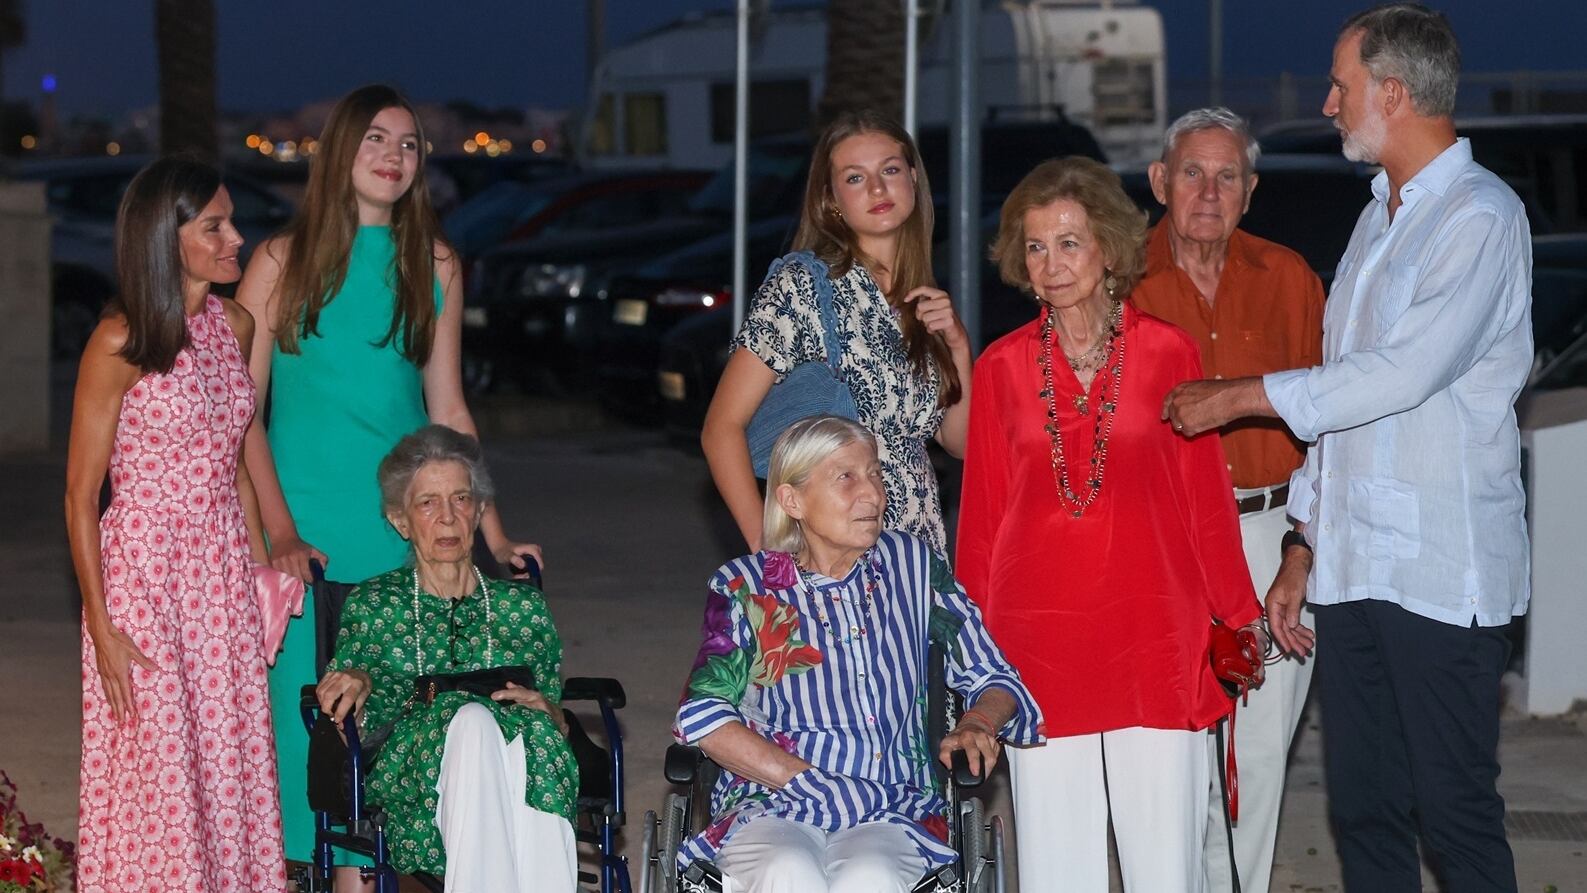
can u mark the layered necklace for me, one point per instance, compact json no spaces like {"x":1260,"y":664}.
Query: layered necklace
{"x":869,"y":585}
{"x":1110,"y":369}
{"x":418,"y":622}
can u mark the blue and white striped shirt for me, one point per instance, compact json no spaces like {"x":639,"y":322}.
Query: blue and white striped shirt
{"x":834,"y":671}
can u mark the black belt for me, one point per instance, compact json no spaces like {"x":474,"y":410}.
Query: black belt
{"x":1258,"y":502}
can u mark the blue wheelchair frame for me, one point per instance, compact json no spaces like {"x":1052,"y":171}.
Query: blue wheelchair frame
{"x":362,"y":829}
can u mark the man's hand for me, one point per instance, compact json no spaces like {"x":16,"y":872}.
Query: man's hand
{"x":1284,"y":600}
{"x":1197,"y":406}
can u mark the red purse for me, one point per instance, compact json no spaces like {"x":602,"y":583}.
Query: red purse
{"x":1236,"y":657}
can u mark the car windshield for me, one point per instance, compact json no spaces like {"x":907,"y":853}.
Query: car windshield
{"x":483,"y":220}
{"x":772,"y":177}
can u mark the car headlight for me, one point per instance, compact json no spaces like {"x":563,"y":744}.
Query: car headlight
{"x":552,"y":281}
{"x":688,"y":297}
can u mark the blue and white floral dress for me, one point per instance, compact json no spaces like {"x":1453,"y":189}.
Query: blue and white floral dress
{"x":899,"y":406}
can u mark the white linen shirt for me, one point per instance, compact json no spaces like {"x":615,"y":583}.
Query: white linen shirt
{"x":1411,"y":490}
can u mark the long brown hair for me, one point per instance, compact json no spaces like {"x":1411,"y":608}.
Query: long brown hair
{"x":164,"y":196}
{"x":320,"y":237}
{"x":826,"y":234}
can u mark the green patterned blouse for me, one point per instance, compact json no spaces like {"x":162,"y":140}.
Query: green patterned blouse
{"x":382,"y":636}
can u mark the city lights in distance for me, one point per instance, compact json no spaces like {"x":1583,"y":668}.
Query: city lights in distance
{"x":112,"y":148}
{"x":481,"y":138}
{"x":30,"y":141}
{"x":538,"y":146}
{"x":254,"y":140}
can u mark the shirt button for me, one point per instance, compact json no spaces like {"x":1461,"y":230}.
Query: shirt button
{"x":1215,"y":336}
{"x":1230,"y":466}
{"x":871,"y":720}
{"x":1328,"y":527}
{"x":1219,"y":377}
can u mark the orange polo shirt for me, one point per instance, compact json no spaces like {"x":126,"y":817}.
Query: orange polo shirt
{"x":1266,"y":317}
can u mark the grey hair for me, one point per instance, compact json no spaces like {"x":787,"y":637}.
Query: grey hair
{"x":1415,"y":46}
{"x":432,"y":443}
{"x":794,"y":457}
{"x":1214,"y":118}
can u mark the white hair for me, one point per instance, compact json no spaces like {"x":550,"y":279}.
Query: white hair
{"x":1215,"y":118}
{"x":799,"y":449}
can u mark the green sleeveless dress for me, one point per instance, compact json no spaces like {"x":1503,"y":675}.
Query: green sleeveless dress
{"x":337,"y":407}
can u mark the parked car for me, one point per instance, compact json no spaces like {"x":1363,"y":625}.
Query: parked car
{"x":1559,"y":311}
{"x":1542,"y":157}
{"x":455,"y":177}
{"x":539,"y":305}
{"x":664,"y":292}
{"x":82,"y":197}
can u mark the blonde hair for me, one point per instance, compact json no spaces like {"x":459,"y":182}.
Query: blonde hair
{"x":799,"y":449}
{"x":1118,"y":225}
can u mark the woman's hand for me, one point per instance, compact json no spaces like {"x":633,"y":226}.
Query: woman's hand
{"x":935,"y":311}
{"x":509,"y":554}
{"x":291,"y":555}
{"x":342,"y":692}
{"x":534,"y":700}
{"x":978,"y":742}
{"x":115,"y":653}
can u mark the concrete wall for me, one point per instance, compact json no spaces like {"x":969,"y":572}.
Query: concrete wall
{"x":24,"y":318}
{"x":1554,"y":432}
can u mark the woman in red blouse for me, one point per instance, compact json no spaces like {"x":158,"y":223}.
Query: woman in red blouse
{"x":1100,"y":544}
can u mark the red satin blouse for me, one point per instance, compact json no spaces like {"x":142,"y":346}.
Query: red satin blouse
{"x":1105,"y":615}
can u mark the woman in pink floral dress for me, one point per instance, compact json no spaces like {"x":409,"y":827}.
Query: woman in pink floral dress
{"x":178,"y":771}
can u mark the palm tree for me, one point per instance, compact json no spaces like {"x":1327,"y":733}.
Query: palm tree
{"x":865,"y":58}
{"x":184,"y":33}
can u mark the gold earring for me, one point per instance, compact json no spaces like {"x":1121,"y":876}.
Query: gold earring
{"x":1112,"y":285}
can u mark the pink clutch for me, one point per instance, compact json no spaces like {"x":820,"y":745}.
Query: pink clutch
{"x":280,"y":599}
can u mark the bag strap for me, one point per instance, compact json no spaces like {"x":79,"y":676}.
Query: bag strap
{"x":819,"y":275}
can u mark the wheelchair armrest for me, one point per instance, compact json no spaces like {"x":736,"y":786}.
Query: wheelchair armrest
{"x":594,"y":688}
{"x":963,"y":775}
{"x":683,"y":763}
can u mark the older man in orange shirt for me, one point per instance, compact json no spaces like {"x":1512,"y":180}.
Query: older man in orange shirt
{"x":1254,"y":307}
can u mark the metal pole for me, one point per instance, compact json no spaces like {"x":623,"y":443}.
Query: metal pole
{"x":911,"y":61}
{"x":594,"y":41}
{"x":1215,"y":52}
{"x":741,"y":168}
{"x":964,"y":155}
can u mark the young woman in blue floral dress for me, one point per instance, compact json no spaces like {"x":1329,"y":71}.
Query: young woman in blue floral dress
{"x":867,"y":216}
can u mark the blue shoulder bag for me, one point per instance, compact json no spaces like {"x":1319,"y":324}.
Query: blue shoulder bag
{"x":812,"y":388}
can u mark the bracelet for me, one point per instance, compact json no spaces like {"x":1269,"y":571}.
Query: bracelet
{"x":981,"y":719}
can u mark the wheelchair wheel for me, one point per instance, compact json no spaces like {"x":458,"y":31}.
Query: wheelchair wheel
{"x":672,"y":827}
{"x":978,"y":869}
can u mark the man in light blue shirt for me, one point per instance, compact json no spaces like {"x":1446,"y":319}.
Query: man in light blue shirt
{"x":1411,"y":491}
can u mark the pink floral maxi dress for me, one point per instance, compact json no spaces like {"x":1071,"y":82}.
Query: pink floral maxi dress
{"x":184,"y":799}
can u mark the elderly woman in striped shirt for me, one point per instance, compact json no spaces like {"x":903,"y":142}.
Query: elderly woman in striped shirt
{"x":809,"y":690}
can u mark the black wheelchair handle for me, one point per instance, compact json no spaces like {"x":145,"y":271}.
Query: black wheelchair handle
{"x":963,"y":775}
{"x":683,"y":763}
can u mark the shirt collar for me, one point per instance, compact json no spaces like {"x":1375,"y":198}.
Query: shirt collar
{"x":1435,"y":176}
{"x":1160,"y":251}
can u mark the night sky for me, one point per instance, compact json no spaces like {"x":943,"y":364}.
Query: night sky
{"x":277,"y":54}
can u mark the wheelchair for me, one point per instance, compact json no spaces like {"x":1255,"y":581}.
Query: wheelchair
{"x":978,"y":840}
{"x":351,"y":823}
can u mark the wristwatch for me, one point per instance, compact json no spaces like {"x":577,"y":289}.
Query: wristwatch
{"x":1293,"y":538}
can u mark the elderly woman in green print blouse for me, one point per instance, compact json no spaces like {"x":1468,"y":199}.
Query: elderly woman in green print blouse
{"x":480,"y":789}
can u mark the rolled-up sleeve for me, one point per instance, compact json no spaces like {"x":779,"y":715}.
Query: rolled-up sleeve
{"x":1459,"y":304}
{"x":1303,"y":488}
{"x":975,"y":663}
{"x":720,"y":674}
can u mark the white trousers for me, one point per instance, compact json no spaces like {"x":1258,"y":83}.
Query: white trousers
{"x":775,"y":855}
{"x":495,"y":842}
{"x":1154,"y":783}
{"x":1263,"y":733}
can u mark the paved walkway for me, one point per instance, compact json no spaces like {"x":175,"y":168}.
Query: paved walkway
{"x":632,"y":528}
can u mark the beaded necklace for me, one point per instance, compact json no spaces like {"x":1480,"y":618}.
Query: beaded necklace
{"x":1112,"y":373}
{"x":869,"y":584}
{"x":418,"y":622}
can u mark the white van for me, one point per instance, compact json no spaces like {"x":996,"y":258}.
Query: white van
{"x":666,"y":97}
